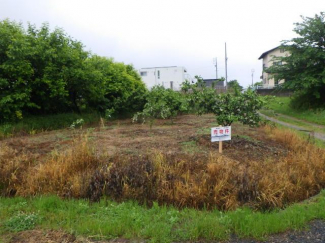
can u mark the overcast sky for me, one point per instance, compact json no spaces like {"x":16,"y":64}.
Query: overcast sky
{"x":189,"y":33}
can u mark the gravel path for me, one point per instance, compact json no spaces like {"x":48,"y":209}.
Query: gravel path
{"x":318,"y":135}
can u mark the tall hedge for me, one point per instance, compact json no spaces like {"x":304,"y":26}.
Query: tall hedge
{"x":45,"y":72}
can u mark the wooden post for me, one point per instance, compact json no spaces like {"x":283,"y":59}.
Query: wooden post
{"x":220,"y":145}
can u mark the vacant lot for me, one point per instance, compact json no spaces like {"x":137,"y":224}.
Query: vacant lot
{"x":187,"y":134}
{"x":173,"y":163}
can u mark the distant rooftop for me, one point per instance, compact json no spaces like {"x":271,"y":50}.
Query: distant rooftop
{"x":265,"y":53}
{"x":159,"y":67}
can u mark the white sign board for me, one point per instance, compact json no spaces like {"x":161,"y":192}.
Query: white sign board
{"x":220,"y":134}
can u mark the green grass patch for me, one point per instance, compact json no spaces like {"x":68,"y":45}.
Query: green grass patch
{"x":301,"y":124}
{"x":204,"y":130}
{"x":110,"y":220}
{"x":36,"y":124}
{"x":190,"y":147}
{"x":282,"y":105}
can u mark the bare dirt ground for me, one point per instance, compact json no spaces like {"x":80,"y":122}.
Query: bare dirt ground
{"x":188,"y":133}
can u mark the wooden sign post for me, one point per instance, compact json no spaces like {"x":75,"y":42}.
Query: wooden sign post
{"x":219,"y":134}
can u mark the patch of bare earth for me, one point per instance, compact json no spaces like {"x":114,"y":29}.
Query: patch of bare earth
{"x":125,"y":137}
{"x":53,"y":236}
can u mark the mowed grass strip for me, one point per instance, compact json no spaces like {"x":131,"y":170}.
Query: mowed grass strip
{"x":282,"y":105}
{"x":110,"y":220}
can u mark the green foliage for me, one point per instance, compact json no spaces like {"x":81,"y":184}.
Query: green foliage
{"x":46,"y":72}
{"x":77,"y":123}
{"x":228,"y":108}
{"x":242,"y":107}
{"x":21,"y":221}
{"x":284,"y":105}
{"x":162,"y":103}
{"x":35,"y":124}
{"x":303,"y":69}
{"x":234,"y":85}
{"x":258,"y":83}
{"x":186,"y":86}
{"x":202,"y":99}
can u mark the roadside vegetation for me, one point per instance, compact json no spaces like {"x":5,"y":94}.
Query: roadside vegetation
{"x":282,"y":105}
{"x":111,"y":220}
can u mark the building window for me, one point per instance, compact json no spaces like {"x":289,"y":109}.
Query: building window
{"x":171,"y":85}
{"x":143,"y":74}
{"x":281,"y":50}
{"x":158,"y":74}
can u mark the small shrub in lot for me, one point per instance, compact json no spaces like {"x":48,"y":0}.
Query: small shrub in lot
{"x":228,"y":108}
{"x":21,"y":221}
{"x":162,"y":103}
{"x":77,"y":123}
{"x":240,"y":107}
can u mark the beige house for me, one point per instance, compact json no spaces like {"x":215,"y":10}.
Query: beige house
{"x":268,"y":80}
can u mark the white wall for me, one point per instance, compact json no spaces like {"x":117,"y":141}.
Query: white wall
{"x":267,"y":62}
{"x":163,"y":76}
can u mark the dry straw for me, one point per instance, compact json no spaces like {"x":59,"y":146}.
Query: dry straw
{"x":183,"y":180}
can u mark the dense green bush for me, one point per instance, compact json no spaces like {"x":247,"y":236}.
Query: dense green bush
{"x":162,"y":103}
{"x":48,"y":72}
{"x":228,"y":107}
{"x":196,"y":98}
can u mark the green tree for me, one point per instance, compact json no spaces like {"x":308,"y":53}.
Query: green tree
{"x":234,"y":85}
{"x":44,"y":71}
{"x":303,"y":68}
{"x":58,"y":64}
{"x":16,"y":71}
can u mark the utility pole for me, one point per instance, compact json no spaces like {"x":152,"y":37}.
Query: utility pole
{"x":215,"y":61}
{"x":253,"y":77}
{"x":226,"y":59}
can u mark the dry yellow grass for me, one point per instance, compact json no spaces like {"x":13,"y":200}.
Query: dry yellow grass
{"x":179,"y":179}
{"x":65,"y":174}
{"x":217,"y":181}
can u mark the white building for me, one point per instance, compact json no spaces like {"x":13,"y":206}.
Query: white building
{"x":268,"y":61}
{"x":170,"y":77}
